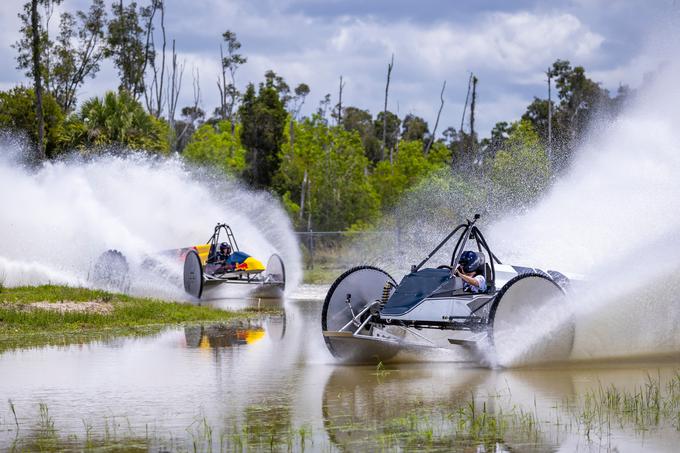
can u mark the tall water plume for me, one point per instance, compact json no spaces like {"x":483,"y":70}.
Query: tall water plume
{"x":58,"y":218}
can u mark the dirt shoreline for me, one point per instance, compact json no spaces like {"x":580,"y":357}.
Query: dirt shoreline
{"x":92,"y":307}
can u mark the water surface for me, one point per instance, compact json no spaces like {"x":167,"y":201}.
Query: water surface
{"x":269,"y":383}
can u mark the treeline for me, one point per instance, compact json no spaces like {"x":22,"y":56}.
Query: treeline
{"x":340,"y":167}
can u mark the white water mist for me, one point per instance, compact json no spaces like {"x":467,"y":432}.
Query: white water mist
{"x":57,"y":219}
{"x":615,"y":217}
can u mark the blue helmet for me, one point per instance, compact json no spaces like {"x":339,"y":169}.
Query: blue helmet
{"x":225,"y":248}
{"x":471,"y":261}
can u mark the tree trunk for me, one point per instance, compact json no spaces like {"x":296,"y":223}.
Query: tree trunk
{"x":461,"y":145}
{"x":342,"y":85}
{"x":387,"y":88}
{"x":436,"y":123}
{"x":549,"y":73}
{"x":302,"y":196}
{"x":35,"y":31}
{"x":472,"y":112}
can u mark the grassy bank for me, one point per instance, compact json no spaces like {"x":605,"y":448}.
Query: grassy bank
{"x":49,"y":310}
{"x":322,"y":275}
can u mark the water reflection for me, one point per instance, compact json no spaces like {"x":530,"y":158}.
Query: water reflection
{"x":271,"y":378}
{"x":222,"y":335}
{"x":362,"y":405}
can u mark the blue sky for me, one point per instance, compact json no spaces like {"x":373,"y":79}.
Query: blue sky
{"x":508,"y":45}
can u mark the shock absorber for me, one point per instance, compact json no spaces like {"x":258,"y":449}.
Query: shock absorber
{"x":386,"y":293}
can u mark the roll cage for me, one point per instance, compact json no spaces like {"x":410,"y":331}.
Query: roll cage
{"x":468,"y":231}
{"x":214,"y":240}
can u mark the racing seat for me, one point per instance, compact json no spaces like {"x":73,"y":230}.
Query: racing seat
{"x":488,"y":275}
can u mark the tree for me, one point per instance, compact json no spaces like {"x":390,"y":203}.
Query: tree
{"x":520,"y":170}
{"x":338,"y":193}
{"x":229,"y":94}
{"x":275,"y":81}
{"x":17,"y":113}
{"x":413,"y":128}
{"x":78,"y":52}
{"x":215,"y":146}
{"x":185,"y":128}
{"x":361,"y":121}
{"x":155,"y":95}
{"x":409,"y":167}
{"x":119,"y":119}
{"x":125,"y":45}
{"x":263,"y":118}
{"x":389,"y":129}
{"x":33,"y":55}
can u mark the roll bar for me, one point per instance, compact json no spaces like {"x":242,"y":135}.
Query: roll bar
{"x":215,"y":238}
{"x":469,"y":231}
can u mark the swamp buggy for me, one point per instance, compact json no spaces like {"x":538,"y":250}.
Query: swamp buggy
{"x":368,"y":317}
{"x":201,"y":265}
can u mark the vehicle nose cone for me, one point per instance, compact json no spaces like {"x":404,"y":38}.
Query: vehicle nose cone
{"x":253,"y":265}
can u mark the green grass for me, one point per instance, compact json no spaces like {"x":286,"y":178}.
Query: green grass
{"x":128,"y":314}
{"x":322,"y":275}
{"x":473,"y":423}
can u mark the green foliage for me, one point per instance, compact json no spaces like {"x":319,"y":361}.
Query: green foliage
{"x":361,"y":121}
{"x":263,"y":118}
{"x":414,"y":128}
{"x":17,"y":113}
{"x":215,"y":145}
{"x":409,"y":167}
{"x":125,"y":46}
{"x":392,"y":131}
{"x":521,"y":170}
{"x":328,"y":165}
{"x":118,"y":119}
{"x":77,"y":53}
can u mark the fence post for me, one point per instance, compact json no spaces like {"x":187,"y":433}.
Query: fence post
{"x":310,"y":245}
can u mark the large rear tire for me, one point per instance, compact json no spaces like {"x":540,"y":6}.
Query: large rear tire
{"x":111,"y":271}
{"x":365,"y":285}
{"x":531,"y":322}
{"x":193,"y":275}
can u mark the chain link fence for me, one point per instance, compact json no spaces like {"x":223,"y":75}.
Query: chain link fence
{"x":343,"y":247}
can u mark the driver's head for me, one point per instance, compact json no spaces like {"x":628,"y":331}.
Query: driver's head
{"x":225,"y":248}
{"x":470,"y":261}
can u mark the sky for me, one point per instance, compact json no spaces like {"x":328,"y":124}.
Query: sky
{"x":507,"y":45}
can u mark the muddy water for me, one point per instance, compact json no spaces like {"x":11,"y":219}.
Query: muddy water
{"x":269,"y":383}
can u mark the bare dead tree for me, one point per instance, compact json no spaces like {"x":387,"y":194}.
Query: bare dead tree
{"x":462,"y":120}
{"x":472,"y":110}
{"x":35,"y":47}
{"x":222,"y":86}
{"x":196,"y":84}
{"x":47,"y":46}
{"x":229,"y":95}
{"x":154,"y":96}
{"x":549,"y":73}
{"x":396,"y":142}
{"x":436,"y":123}
{"x":174,"y":88}
{"x":339,"y":106}
{"x":159,"y":84}
{"x":387,"y":88}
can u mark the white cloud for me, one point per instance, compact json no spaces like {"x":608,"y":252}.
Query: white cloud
{"x":509,"y":51}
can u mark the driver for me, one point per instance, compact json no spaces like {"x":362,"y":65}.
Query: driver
{"x":470,"y":268}
{"x":222,"y":257}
